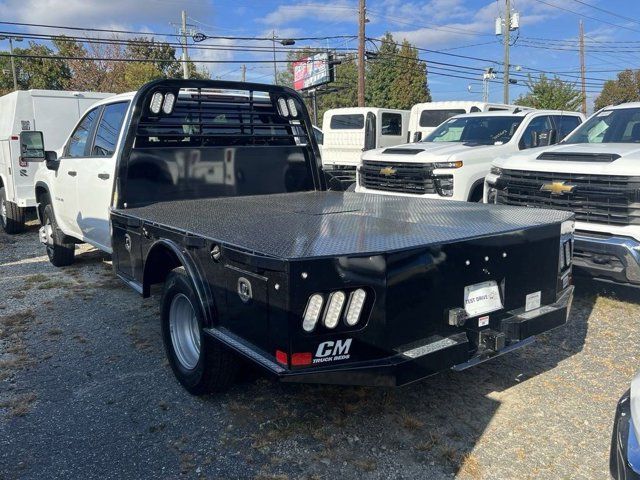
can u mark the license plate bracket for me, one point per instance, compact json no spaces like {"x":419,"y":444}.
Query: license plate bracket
{"x":482,"y":298}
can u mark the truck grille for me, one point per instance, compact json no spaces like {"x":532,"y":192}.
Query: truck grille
{"x":607,"y":199}
{"x":414,"y":178}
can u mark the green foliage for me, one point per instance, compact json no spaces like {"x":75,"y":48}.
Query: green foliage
{"x":626,"y":88}
{"x":410,"y":82}
{"x":382,"y":74}
{"x":554,"y":94}
{"x":40,"y":73}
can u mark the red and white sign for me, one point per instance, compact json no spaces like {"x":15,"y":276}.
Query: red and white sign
{"x":311,"y":71}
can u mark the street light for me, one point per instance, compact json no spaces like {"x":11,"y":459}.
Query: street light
{"x":284,"y":42}
{"x":13,"y":64}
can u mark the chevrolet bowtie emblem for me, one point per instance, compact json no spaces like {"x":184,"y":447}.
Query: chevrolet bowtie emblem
{"x":387,"y":171}
{"x":557,"y":188}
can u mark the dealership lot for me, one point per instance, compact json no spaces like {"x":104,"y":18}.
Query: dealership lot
{"x":86,"y":392}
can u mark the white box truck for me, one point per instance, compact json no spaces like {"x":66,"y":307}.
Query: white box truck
{"x":425,"y":117}
{"x":350,"y":131}
{"x":53,"y":113}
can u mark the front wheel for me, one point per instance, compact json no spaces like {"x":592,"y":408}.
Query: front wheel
{"x":60,"y":254}
{"x":200,"y":364}
{"x":12,"y":217}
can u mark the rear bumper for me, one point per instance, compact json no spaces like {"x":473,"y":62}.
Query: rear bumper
{"x":612,"y":258}
{"x":624,"y":458}
{"x":435,"y":355}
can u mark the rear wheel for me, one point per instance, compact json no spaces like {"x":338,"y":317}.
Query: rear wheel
{"x":12,"y":217}
{"x":60,"y":254}
{"x":199,"y":363}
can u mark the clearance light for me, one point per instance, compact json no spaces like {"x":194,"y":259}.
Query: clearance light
{"x":334,"y":309}
{"x":169,"y":102}
{"x":304,"y":358}
{"x":356,"y":302}
{"x":282,"y":107}
{"x":312,"y":312}
{"x":156,"y":102}
{"x":292,"y":107}
{"x":281,"y":357}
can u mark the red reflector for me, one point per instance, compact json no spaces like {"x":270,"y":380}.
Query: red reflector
{"x":15,"y":137}
{"x":301,"y":358}
{"x":281,"y":357}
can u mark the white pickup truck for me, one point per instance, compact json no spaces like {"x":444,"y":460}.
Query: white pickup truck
{"x":453,"y":160}
{"x":594,"y":172}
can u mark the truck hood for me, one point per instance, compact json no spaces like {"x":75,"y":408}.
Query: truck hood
{"x":426,"y":152}
{"x":588,"y":158}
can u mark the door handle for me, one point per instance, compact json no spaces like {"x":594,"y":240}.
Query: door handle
{"x":72,"y":173}
{"x":103,"y":176}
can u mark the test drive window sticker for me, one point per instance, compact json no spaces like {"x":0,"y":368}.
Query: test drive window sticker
{"x":332,"y":351}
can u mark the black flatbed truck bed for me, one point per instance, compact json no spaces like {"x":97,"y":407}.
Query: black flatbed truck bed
{"x":313,"y":285}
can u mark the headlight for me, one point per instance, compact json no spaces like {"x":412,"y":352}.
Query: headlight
{"x":496,"y":171}
{"x":334,"y":309}
{"x":312,"y":312}
{"x":444,"y":185}
{"x":356,"y":303}
{"x":456,"y":164}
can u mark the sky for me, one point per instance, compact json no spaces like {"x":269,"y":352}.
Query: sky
{"x":456,"y":37}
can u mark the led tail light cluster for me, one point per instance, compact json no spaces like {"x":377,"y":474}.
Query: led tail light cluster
{"x":335,"y":309}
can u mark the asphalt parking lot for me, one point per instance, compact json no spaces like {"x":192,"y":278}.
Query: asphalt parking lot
{"x":85,"y":392}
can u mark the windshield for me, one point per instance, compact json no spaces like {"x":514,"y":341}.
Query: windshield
{"x":609,"y":126}
{"x":477,"y":130}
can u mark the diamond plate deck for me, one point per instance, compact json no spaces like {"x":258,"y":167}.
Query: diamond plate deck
{"x":329,"y":224}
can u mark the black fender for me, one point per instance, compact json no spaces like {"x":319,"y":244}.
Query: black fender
{"x":164,"y":256}
{"x":475,"y":185}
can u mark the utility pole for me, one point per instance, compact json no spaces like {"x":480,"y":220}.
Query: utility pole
{"x":244,"y":73}
{"x":507,"y":39}
{"x":362,"y":18}
{"x":185,"y":55}
{"x":275,"y":65}
{"x":583,"y":71}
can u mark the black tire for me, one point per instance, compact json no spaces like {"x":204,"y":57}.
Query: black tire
{"x":12,"y":221}
{"x":60,"y":254}
{"x":216,"y":367}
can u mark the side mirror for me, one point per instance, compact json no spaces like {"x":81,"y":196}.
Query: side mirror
{"x":542,"y":139}
{"x":417,"y":136}
{"x":51,"y":160}
{"x":31,"y":145}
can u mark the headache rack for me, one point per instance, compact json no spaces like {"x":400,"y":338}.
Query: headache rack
{"x":215,"y":117}
{"x":189,"y":139}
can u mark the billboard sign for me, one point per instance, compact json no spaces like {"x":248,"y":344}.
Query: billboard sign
{"x":312,"y":71}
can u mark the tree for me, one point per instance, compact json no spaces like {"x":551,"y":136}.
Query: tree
{"x":43,"y":73}
{"x":410,"y":80}
{"x":554,"y":94}
{"x":626,"y":88}
{"x":382,"y":73}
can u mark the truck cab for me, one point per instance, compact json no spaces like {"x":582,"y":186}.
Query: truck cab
{"x":51,"y":112}
{"x":452,"y":161}
{"x":350,"y":131}
{"x":425,"y":117}
{"x":595,"y":173}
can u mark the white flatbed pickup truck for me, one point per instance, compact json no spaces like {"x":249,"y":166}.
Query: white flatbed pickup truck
{"x":452,"y":161}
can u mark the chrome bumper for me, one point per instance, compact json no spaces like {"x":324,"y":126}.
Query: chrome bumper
{"x":610,"y":258}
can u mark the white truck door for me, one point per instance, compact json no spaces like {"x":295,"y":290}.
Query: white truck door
{"x":391,"y":129}
{"x":95,"y":180}
{"x":73,"y":161}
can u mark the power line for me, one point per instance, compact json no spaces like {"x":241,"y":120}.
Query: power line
{"x":607,"y":11}
{"x":587,"y":16}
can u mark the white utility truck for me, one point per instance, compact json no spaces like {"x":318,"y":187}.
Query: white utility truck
{"x":51,"y":112}
{"x":595,"y":173}
{"x":425,"y":117}
{"x":452,"y":161}
{"x":350,"y":131}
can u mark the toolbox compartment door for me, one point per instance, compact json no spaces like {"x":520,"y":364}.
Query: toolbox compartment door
{"x":127,"y":248}
{"x":247,"y":313}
